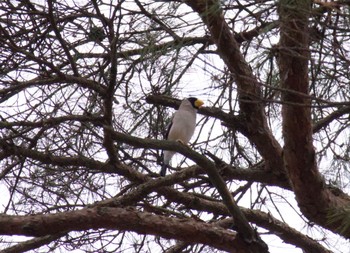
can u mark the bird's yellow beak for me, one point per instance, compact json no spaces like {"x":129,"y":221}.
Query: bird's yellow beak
{"x":198,"y":103}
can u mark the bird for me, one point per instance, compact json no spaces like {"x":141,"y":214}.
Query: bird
{"x":181,"y":127}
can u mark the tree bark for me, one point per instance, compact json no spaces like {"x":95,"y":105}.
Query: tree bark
{"x":314,"y":199}
{"x":124,"y":219}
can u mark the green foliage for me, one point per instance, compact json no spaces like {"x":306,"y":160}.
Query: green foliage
{"x":96,"y":34}
{"x":341,"y":217}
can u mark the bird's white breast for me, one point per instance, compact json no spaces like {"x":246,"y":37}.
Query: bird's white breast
{"x":184,"y":123}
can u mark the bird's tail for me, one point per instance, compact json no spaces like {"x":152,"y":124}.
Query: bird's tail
{"x":163,"y":170}
{"x":167,"y":155}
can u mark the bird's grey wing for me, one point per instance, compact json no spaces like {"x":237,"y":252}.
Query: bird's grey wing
{"x":168,"y":129}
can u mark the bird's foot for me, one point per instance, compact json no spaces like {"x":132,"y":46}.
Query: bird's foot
{"x":181,"y":141}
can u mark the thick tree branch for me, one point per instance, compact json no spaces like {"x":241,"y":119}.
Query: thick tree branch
{"x":115,"y":218}
{"x":248,"y":88}
{"x":259,"y":218}
{"x":189,"y":200}
{"x":314,"y":199}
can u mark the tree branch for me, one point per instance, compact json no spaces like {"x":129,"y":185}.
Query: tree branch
{"x":248,"y":88}
{"x":324,"y":122}
{"x":314,"y":199}
{"x":261,"y":219}
{"x":115,"y":218}
{"x":32,"y":244}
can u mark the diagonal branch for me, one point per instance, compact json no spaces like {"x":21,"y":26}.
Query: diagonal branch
{"x":329,"y":118}
{"x":248,"y":87}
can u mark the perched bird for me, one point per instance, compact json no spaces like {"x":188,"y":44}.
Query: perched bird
{"x":181,"y":127}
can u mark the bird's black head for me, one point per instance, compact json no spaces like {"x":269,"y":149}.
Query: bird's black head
{"x":195,"y":102}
